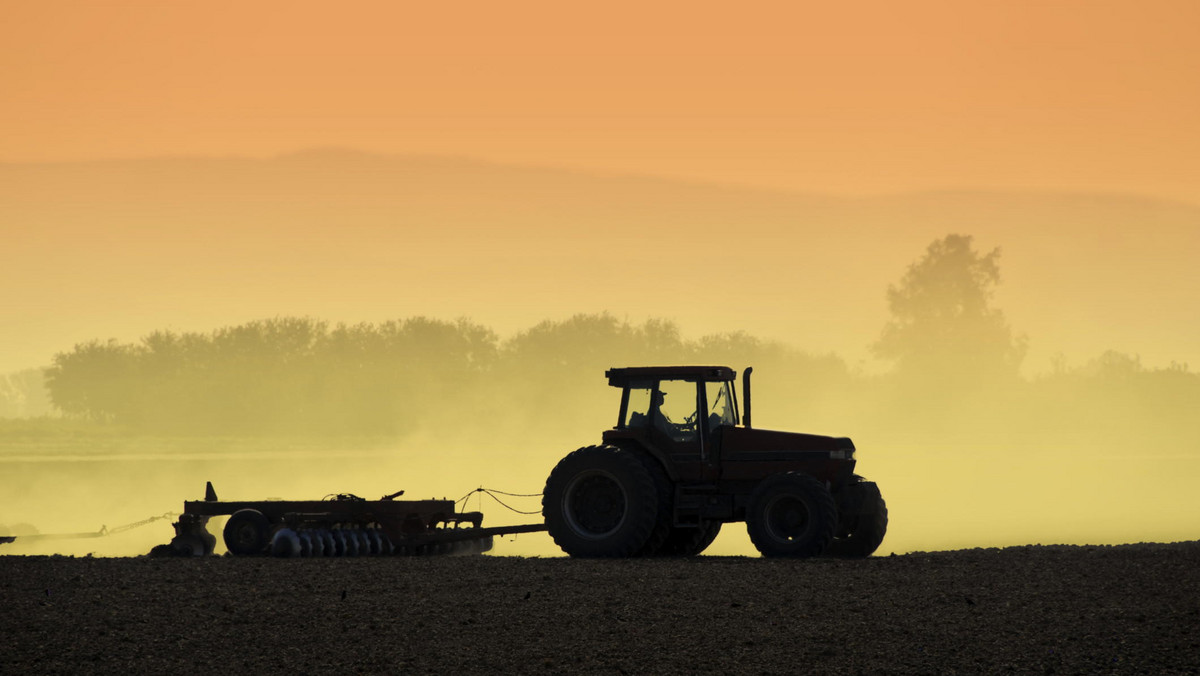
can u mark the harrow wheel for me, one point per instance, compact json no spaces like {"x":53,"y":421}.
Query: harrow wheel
{"x":247,"y":533}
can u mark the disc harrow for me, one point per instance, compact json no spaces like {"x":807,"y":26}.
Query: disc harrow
{"x":340,"y":525}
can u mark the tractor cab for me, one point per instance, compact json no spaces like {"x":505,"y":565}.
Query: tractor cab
{"x":677,"y":411}
{"x":688,"y":418}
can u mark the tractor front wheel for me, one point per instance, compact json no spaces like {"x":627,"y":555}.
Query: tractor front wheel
{"x":791,"y":515}
{"x":601,"y":501}
{"x":864,"y":521}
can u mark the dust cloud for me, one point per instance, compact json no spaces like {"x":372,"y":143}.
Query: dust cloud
{"x":1036,"y":394}
{"x":1100,"y":453}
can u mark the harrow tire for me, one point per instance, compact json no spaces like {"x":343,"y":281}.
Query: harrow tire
{"x":601,"y":501}
{"x":863,"y":524}
{"x":791,"y":515}
{"x":247,"y":533}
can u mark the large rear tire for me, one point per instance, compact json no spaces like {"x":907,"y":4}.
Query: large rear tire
{"x":864,"y":521}
{"x":666,"y":499}
{"x":601,"y":501}
{"x":791,"y":515}
{"x":247,"y":533}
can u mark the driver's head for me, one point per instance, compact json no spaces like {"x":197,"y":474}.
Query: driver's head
{"x":659,"y":397}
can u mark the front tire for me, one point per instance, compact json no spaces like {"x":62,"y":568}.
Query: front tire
{"x":864,"y":521}
{"x":791,"y":515}
{"x":601,"y":501}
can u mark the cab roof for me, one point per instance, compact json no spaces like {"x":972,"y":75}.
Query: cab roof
{"x":620,"y":377}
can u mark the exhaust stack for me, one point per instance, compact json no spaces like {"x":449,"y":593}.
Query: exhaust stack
{"x":746,"y":393}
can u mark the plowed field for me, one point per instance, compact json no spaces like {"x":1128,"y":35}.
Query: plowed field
{"x":1123,"y":609}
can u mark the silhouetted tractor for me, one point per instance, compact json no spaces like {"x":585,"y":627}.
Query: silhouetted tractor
{"x":680,"y":463}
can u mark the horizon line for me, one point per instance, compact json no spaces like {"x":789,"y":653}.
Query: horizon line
{"x":316,"y":151}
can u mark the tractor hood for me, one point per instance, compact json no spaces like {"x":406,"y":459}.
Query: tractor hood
{"x":755,"y":440}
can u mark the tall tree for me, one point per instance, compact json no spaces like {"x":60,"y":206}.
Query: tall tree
{"x":96,"y":380}
{"x":943,"y":326}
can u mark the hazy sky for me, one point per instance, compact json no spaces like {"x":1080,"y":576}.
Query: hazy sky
{"x":1020,"y":98}
{"x":854,"y":97}
{"x":1018,"y":105}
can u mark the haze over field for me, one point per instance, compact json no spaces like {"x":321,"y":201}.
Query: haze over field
{"x":121,"y":248}
{"x":771,"y":171}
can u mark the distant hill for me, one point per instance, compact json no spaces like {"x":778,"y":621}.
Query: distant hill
{"x":119,"y":248}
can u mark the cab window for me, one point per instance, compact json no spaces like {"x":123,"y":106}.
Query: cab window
{"x":638,"y":412}
{"x":720,"y":405}
{"x":675,"y":414}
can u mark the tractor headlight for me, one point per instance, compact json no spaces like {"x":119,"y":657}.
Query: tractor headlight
{"x":842,"y":454}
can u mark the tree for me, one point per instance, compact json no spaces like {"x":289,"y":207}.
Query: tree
{"x":943,"y":326}
{"x":95,"y":381}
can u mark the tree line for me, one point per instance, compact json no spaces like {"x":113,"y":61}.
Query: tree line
{"x":298,"y":374}
{"x":955,"y":360}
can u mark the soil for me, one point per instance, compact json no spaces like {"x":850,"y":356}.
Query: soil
{"x":1056,"y":609}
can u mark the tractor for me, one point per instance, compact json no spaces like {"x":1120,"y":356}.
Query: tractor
{"x":681,"y":462}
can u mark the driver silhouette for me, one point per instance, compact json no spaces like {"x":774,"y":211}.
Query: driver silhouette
{"x":661,"y":421}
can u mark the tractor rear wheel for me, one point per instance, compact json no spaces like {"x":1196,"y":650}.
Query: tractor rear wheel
{"x":791,"y":515}
{"x":601,"y":501}
{"x":863,"y":523}
{"x":661,"y":532}
{"x":247,"y":533}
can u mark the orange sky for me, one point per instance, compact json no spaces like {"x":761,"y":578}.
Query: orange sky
{"x":861,"y":98}
{"x":1016,"y":98}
